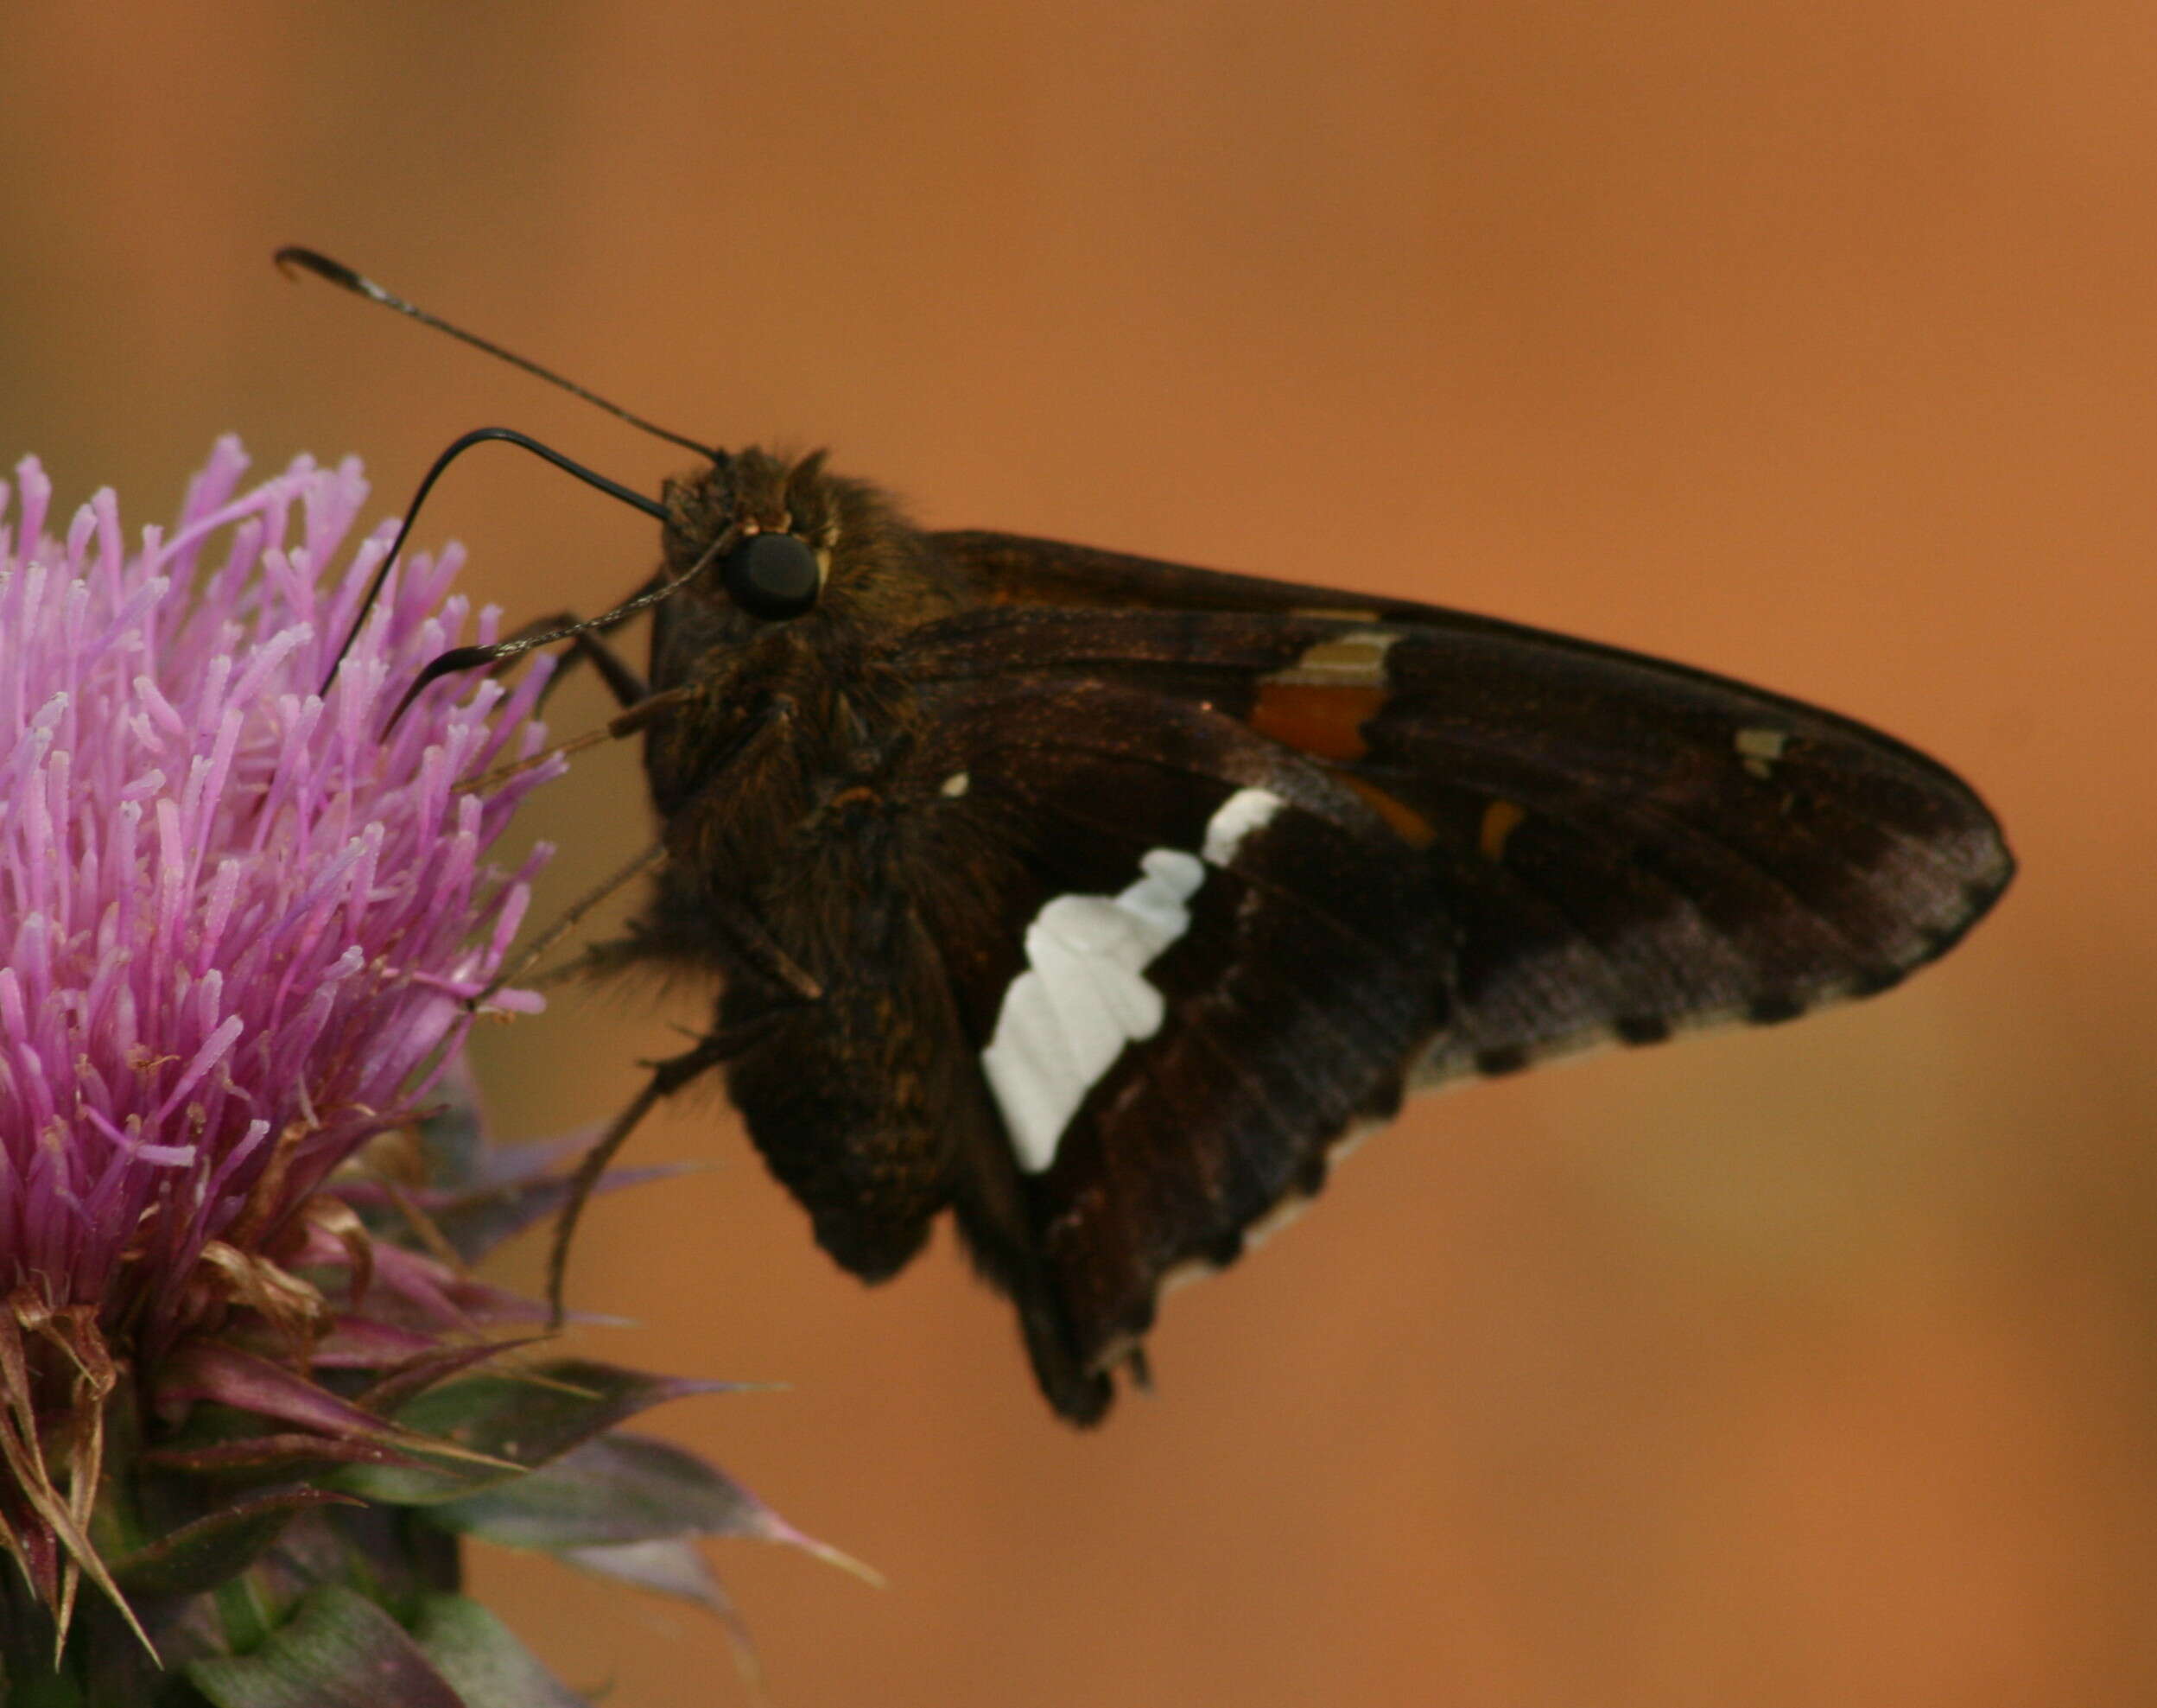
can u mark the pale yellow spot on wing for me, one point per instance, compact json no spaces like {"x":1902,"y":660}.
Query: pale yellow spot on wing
{"x":1760,"y":748}
{"x":1356,"y":659}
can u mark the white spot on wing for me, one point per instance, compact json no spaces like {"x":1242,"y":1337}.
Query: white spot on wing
{"x":955,"y":786}
{"x":1084,"y":995}
{"x":1245,"y":811}
{"x":1067,"y":1018}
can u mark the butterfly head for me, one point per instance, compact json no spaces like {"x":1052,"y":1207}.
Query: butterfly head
{"x":755,"y":532}
{"x":766,"y":540}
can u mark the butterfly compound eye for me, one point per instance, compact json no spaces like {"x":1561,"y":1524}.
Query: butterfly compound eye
{"x":771,"y":576}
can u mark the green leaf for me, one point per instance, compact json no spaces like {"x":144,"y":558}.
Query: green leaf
{"x":613,"y":1489}
{"x":206,"y":1370}
{"x":485,"y":1663}
{"x":338,"y":1650}
{"x":269,"y":1458}
{"x":215,"y":1548}
{"x":520,"y":1421}
{"x":233,"y":1381}
{"x":621,"y":1488}
{"x":672,"y":1566}
{"x":398,"y":1384}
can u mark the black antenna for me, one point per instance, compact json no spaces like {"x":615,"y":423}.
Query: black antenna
{"x":337,"y":274}
{"x":479,"y":435}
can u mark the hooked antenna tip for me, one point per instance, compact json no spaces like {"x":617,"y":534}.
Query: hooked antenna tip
{"x":292,"y":259}
{"x":294,"y":256}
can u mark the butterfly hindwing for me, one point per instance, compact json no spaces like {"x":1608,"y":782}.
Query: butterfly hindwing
{"x":1187,"y":961}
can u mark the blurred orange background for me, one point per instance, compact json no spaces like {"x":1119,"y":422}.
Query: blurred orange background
{"x":1812,"y":342}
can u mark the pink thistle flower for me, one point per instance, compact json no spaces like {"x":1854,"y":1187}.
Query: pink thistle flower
{"x":241,"y":930}
{"x":237,"y":922}
{"x":239,"y":925}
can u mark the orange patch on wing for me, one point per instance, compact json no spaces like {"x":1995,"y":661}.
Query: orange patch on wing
{"x":1411,"y":826}
{"x":1324,"y":722}
{"x":1501,"y":820}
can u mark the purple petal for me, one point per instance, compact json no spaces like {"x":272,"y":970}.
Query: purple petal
{"x":236,"y":923}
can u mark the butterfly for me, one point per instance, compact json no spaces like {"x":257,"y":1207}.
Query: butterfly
{"x":1102,"y":902}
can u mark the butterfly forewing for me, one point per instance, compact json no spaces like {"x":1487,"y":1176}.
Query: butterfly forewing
{"x":1490,"y":845}
{"x":1634,"y":850}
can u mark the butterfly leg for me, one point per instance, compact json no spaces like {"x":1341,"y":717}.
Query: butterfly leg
{"x":569,"y":920}
{"x":623,"y":723}
{"x":621,"y":677}
{"x":626,"y":685}
{"x":667,"y":1077}
{"x":630,"y":691}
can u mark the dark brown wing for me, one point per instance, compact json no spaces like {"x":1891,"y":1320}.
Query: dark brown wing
{"x":1186,"y":961}
{"x":1014,"y":569}
{"x":1486,"y":844}
{"x":1672,"y":847}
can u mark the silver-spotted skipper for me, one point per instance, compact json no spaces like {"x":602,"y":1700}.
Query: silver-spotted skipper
{"x":1100,"y":901}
